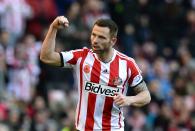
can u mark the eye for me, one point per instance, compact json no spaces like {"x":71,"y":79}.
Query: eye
{"x":93,"y":34}
{"x":102,"y":37}
{"x":98,"y":36}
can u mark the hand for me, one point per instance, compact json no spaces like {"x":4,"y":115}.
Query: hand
{"x":60,"y":22}
{"x":121,"y":100}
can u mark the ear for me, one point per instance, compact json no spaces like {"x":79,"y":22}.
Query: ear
{"x":113,"y":40}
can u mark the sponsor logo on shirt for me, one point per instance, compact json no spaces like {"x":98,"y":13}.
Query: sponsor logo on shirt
{"x":101,"y":89}
{"x":105,"y":71}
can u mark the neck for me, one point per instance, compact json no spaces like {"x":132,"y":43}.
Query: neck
{"x":106,"y":56}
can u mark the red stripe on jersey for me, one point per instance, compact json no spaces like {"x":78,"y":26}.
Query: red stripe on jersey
{"x":119,"y":121}
{"x":76,"y":55}
{"x":114,"y":74}
{"x":81,"y":83}
{"x":95,"y":77}
{"x":127,"y":70}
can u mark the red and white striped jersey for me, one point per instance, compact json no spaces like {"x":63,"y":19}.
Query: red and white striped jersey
{"x":97,"y":83}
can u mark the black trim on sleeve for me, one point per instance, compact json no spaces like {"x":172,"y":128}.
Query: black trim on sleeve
{"x":61,"y":59}
{"x":130,"y":91}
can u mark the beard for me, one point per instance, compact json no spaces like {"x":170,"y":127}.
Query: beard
{"x":101,"y":48}
{"x":97,"y":51}
{"x":100,"y":51}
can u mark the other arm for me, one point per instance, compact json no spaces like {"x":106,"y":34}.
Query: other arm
{"x":141,"y":98}
{"x":48,"y":54}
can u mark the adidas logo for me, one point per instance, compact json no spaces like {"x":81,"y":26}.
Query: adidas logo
{"x":105,"y":71}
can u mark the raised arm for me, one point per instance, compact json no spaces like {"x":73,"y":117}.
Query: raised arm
{"x":141,"y":98}
{"x":48,"y":54}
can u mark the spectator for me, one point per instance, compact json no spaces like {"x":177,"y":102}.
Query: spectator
{"x":14,"y":14}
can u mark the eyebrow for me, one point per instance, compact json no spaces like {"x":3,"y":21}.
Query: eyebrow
{"x":101,"y":36}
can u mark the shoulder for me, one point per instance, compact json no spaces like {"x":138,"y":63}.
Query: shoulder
{"x":125,"y":57}
{"x":86,"y":51}
{"x":83,"y":51}
{"x":129,"y":60}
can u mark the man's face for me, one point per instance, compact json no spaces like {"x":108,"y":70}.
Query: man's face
{"x":101,"y":39}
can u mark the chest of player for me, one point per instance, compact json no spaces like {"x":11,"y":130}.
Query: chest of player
{"x":114,"y":75}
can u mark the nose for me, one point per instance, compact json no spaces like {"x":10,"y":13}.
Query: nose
{"x":95,"y":39}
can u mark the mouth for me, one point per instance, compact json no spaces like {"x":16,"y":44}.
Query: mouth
{"x":95,"y":47}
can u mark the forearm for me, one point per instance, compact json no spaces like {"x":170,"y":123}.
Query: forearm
{"x":140,"y":99}
{"x":49,"y":43}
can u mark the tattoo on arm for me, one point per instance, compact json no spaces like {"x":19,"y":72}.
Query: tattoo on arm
{"x":140,"y":87}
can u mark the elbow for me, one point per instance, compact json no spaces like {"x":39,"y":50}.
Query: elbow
{"x":43,"y":58}
{"x":148,"y":99}
{"x":49,"y":59}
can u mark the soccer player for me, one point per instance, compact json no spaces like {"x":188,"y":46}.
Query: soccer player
{"x":103,"y":75}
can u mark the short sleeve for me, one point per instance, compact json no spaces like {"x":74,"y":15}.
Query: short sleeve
{"x":69,"y":58}
{"x":134,"y":73}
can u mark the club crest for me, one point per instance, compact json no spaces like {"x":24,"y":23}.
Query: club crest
{"x":117,"y":81}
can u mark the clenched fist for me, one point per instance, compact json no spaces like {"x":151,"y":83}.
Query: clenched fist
{"x":121,"y":100}
{"x":60,"y":22}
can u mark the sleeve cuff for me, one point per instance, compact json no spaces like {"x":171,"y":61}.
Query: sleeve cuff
{"x":61,"y":59}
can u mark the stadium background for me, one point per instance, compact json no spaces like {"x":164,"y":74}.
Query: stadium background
{"x":159,"y":34}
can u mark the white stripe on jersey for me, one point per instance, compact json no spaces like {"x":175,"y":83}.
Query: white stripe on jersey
{"x":68,"y":56}
{"x":123,"y":71}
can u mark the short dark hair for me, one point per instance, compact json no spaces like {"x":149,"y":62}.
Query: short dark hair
{"x":108,"y":23}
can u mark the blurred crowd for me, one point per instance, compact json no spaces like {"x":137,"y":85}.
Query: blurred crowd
{"x":159,"y":34}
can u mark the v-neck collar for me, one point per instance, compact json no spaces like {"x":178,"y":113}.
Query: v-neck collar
{"x":113,"y":57}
